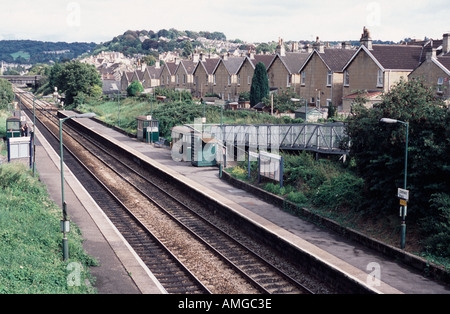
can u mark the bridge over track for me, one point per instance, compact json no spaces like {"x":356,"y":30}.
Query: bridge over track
{"x":324,"y":138}
{"x":22,"y":79}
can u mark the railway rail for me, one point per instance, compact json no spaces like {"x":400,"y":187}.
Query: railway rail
{"x":240,"y":262}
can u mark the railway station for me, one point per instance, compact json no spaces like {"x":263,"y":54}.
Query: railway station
{"x":348,"y":265}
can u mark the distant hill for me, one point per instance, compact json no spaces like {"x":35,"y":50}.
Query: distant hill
{"x":146,"y":42}
{"x":32,"y":52}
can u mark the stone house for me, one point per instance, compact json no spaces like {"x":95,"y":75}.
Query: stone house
{"x":321,"y":76}
{"x":379,"y":67}
{"x":184,"y":79}
{"x":225,"y":78}
{"x":435,"y":69}
{"x":152,"y":75}
{"x":167,"y":78}
{"x":283,"y":71}
{"x":203,"y":76}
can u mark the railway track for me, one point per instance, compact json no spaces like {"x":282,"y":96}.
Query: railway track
{"x":255,"y":269}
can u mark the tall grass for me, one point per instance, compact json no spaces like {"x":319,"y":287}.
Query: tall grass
{"x":30,"y":239}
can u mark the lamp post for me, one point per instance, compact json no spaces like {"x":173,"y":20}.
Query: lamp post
{"x":65,"y":222}
{"x":404,"y":206}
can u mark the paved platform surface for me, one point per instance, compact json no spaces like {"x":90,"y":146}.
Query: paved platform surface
{"x":396,"y":277}
{"x":120,"y":270}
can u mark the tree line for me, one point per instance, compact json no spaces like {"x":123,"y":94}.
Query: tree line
{"x":32,"y":51}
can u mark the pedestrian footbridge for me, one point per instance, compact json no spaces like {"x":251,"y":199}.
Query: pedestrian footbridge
{"x":324,"y":138}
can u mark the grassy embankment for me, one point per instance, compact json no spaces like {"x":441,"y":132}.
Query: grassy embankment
{"x":30,"y":238}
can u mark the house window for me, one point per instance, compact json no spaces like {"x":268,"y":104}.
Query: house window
{"x":214,"y":79}
{"x":303,"y":78}
{"x":380,"y":78}
{"x":229,"y":80}
{"x":329,"y":78}
{"x":239,"y":80}
{"x":184,"y":78}
{"x":440,"y":84}
{"x":168,"y":79}
{"x":162,"y":79}
{"x":346,"y":78}
{"x":249,"y":80}
{"x":288,"y":80}
{"x":207,"y":79}
{"x":178,"y":79}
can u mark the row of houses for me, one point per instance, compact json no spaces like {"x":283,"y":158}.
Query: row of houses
{"x":321,"y":75}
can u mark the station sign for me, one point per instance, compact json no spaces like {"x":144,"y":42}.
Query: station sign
{"x":403,"y":194}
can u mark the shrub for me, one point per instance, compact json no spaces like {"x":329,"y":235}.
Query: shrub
{"x":343,"y":191}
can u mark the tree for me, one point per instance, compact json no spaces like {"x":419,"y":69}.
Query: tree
{"x":260,"y":84}
{"x":74,"y":79}
{"x":135,"y":88}
{"x":379,"y":149}
{"x":6,"y":93}
{"x":187,"y":50}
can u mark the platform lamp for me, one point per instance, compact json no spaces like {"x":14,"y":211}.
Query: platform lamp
{"x":404,"y":206}
{"x":65,"y":223}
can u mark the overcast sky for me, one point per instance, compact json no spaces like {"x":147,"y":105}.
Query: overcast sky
{"x":249,"y":20}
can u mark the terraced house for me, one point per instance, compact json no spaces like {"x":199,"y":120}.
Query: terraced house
{"x":376,"y":68}
{"x":321,"y":76}
{"x":435,"y":69}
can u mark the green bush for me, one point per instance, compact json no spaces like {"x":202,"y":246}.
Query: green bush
{"x":343,"y":191}
{"x":436,"y":228}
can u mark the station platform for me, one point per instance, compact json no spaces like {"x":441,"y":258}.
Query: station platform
{"x":351,"y":257}
{"x":120,"y":270}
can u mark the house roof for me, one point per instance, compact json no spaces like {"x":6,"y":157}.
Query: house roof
{"x":445,"y":62}
{"x":209,"y":64}
{"x":394,"y":57}
{"x":188,"y":65}
{"x":294,"y":61}
{"x":334,"y":59}
{"x":171,"y":66}
{"x":154,"y":72}
{"x":233,"y":64}
{"x":266,"y":59}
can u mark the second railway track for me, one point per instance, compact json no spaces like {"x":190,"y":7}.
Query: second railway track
{"x":221,"y":262}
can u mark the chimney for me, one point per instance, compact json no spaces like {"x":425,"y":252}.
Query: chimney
{"x":308,"y":48}
{"x":346,"y":45}
{"x":158,"y":64}
{"x":318,"y":45}
{"x":366,"y":40}
{"x":430,"y":51}
{"x":446,"y":43}
{"x":195,"y":57}
{"x":294,"y":47}
{"x":281,"y":50}
{"x":251,"y":54}
{"x":202,"y":57}
{"x":177,"y":60}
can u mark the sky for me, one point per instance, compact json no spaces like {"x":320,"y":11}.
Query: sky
{"x":249,"y":20}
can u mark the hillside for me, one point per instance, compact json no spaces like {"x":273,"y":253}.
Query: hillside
{"x":147,"y":42}
{"x":32,"y":51}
